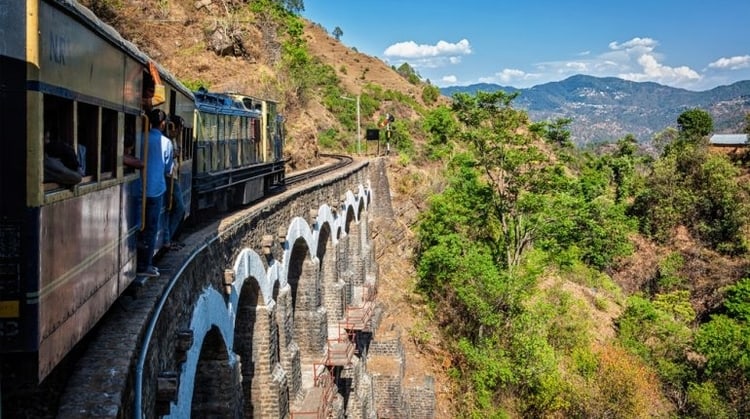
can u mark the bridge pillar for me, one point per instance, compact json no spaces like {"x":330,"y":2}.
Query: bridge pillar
{"x":332,"y":287}
{"x":289,"y":353}
{"x":265,"y":385}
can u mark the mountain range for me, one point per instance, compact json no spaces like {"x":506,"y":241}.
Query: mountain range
{"x":604,"y":109}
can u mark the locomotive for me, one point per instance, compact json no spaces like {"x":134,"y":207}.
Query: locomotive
{"x":68,"y":248}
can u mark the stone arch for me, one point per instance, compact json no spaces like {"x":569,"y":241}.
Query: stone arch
{"x":298,"y":276}
{"x":354,"y":246}
{"x":331,"y":286}
{"x":309,"y":314}
{"x":218,"y":395}
{"x":210,"y":315}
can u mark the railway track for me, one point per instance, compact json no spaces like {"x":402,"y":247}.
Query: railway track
{"x":305,"y":175}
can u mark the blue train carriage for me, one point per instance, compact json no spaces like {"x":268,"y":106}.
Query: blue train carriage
{"x":67,"y":239}
{"x":238,"y":150}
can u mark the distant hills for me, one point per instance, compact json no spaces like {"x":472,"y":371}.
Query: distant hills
{"x":604,"y":109}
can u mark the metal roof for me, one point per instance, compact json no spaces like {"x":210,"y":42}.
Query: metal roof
{"x":729,"y":139}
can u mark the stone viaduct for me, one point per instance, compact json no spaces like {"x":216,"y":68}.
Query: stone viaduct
{"x":269,"y":313}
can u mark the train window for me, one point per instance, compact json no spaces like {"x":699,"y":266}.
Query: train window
{"x":235,"y":123}
{"x":129,"y":138}
{"x":58,"y":140}
{"x":108,"y":143}
{"x":256,"y":140}
{"x":219,"y":163}
{"x":187,"y":142}
{"x":86,"y":143}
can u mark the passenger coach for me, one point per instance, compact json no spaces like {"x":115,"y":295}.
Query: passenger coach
{"x":67,"y":250}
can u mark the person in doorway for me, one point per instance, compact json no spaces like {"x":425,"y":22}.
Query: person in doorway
{"x":175,"y":204}
{"x":154,"y":186}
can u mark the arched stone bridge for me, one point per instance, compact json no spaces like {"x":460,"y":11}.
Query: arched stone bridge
{"x":270,"y":313}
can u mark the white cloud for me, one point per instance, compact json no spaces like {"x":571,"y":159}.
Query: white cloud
{"x":423,"y":56}
{"x":732,"y":63}
{"x":451,"y":79}
{"x":576,"y":67}
{"x":510,"y":74}
{"x":635,"y":43}
{"x":412,"y":50}
{"x":635,"y":59}
{"x":652,"y":70}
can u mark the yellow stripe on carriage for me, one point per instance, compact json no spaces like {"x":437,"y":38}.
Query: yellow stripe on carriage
{"x":10,"y":309}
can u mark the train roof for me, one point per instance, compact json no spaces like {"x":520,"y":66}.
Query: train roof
{"x":227,"y":103}
{"x":88,"y":18}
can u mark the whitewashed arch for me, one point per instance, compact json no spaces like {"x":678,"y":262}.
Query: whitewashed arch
{"x":210,"y":311}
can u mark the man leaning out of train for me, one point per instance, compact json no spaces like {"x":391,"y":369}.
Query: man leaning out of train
{"x":155,"y":187}
{"x":60,"y":162}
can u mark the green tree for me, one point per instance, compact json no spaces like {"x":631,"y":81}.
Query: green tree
{"x":441,"y":126}
{"x":658,"y":331}
{"x":690,"y":186}
{"x":695,"y":124}
{"x":556,"y":131}
{"x":337,"y":33}
{"x":511,"y":163}
{"x":406,"y":71}
{"x":430,"y":94}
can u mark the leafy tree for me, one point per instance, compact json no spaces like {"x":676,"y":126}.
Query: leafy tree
{"x":663,"y":139}
{"x":430,"y":94}
{"x":556,"y":132}
{"x":406,"y":71}
{"x":695,"y":124}
{"x":705,"y":401}
{"x":510,"y":161}
{"x":690,"y":186}
{"x":659,"y":333}
{"x":441,"y":126}
{"x":337,"y":33}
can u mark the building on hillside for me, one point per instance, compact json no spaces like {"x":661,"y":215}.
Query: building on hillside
{"x":729,"y":140}
{"x":729,"y":144}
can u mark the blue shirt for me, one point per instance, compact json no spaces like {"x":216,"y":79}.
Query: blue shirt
{"x":155,"y":164}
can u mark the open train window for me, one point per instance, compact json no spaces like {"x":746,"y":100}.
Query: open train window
{"x":108,"y":152}
{"x":87,"y":140}
{"x":60,"y":159}
{"x":129,"y":138}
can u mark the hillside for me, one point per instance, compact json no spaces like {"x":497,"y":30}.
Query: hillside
{"x":184,"y":39}
{"x":606,"y":109}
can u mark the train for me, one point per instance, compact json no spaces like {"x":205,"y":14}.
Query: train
{"x":68,"y":248}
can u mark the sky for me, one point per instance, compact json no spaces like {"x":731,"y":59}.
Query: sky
{"x":692,"y":44}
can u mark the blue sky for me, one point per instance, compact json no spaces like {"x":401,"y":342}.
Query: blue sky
{"x":691,"y":44}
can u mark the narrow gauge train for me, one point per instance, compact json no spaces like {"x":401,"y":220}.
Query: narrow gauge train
{"x":67,"y":252}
